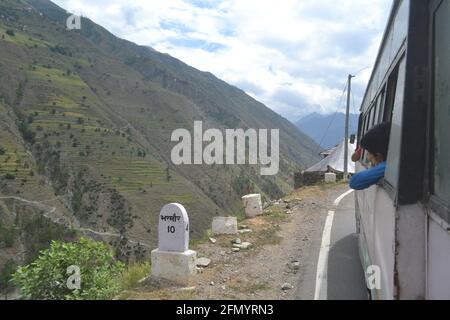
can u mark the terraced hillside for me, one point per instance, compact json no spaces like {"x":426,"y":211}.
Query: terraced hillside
{"x":85,"y":126}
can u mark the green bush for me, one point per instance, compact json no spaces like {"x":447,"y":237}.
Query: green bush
{"x":61,"y":50}
{"x":27,"y":134}
{"x":47,"y":277}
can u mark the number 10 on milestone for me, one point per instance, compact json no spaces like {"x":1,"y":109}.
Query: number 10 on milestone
{"x":173,"y":228}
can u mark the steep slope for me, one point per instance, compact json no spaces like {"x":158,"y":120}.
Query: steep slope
{"x":91,"y":116}
{"x":327,"y":129}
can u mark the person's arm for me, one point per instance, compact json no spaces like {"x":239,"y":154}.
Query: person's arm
{"x":367,"y":178}
{"x":357,"y":155}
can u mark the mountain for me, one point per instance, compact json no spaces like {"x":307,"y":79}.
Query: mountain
{"x":85,"y":128}
{"x":327,"y":130}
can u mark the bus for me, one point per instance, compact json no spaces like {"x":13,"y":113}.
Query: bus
{"x":403,"y":223}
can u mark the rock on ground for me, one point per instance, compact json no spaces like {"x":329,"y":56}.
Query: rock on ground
{"x":203,"y":262}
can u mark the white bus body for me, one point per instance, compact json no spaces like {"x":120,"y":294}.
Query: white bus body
{"x":403,"y":222}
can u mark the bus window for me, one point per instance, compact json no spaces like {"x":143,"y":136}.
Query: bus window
{"x":360,"y":128}
{"x":372,"y":116}
{"x":389,"y":103}
{"x":369,"y":119}
{"x":365,"y":126}
{"x":379,"y":116}
{"x":363,"y":132}
{"x":393,"y":160}
{"x":368,"y":126}
{"x":374,"y":112}
{"x":442,"y":104}
{"x":377,"y":110}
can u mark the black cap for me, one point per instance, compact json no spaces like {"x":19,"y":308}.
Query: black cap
{"x":376,"y":140}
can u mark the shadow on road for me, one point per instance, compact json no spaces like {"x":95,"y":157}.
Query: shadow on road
{"x":345,"y":275}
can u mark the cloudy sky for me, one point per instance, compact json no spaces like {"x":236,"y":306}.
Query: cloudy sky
{"x":292,"y":55}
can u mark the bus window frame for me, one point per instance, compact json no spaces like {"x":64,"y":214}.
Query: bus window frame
{"x":391,"y":83}
{"x":390,"y":78}
{"x":391,"y":90}
{"x":434,"y":202}
{"x":384,"y":88}
{"x":375,"y":113}
{"x":372,"y":115}
{"x":386,"y":80}
{"x":412,"y":179}
{"x":381,"y":106}
{"x":394,"y":190}
{"x":369,"y":119}
{"x":363,"y":132}
{"x":360,"y":128}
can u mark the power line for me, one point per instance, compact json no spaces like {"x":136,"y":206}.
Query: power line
{"x":334,"y":116}
{"x":365,"y":68}
{"x":331,"y":122}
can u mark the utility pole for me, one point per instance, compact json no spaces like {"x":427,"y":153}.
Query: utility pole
{"x":347,"y":120}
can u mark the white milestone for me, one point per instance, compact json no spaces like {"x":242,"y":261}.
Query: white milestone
{"x":173,"y":228}
{"x":173,"y":260}
{"x":252,"y":205}
{"x":224,"y":225}
{"x":330,"y":177}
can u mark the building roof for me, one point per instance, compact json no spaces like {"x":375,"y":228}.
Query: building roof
{"x":335,"y":161}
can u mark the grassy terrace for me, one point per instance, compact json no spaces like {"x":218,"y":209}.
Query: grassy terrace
{"x":12,"y":163}
{"x":184,"y":199}
{"x":66,"y":122}
{"x":114,"y":156}
{"x":22,"y":39}
{"x":65,"y":117}
{"x":128,"y":175}
{"x":15,"y":161}
{"x":56,"y":123}
{"x":58,"y":77}
{"x":65,"y":90}
{"x":63,"y":102}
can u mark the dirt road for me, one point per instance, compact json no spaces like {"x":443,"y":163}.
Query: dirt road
{"x":280,"y":264}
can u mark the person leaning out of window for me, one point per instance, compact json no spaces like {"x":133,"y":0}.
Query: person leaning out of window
{"x":375,"y":142}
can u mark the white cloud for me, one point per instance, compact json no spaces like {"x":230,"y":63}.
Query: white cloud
{"x":292,"y":55}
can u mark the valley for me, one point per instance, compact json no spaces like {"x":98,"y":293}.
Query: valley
{"x":85,"y":126}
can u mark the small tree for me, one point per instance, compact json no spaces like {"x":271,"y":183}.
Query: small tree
{"x":47,"y":277}
{"x":27,"y":134}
